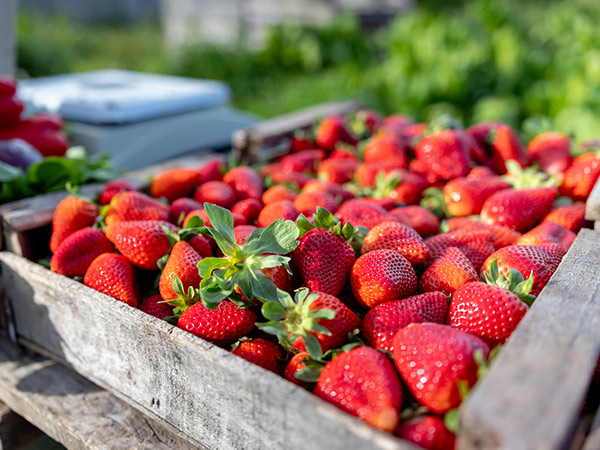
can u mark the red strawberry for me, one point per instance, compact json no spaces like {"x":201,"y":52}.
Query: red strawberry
{"x":572,"y":217}
{"x":552,"y":151}
{"x":466,"y":196}
{"x":175,"y":183}
{"x":481,"y":133}
{"x":362,"y":214}
{"x":202,"y":245}
{"x":181,"y":207}
{"x":212,"y":170}
{"x":542,"y":260}
{"x":476,"y":244}
{"x":304,"y":161}
{"x":369,"y":119}
{"x":277,"y":193}
{"x":215,"y":192}
{"x":518,"y":209}
{"x":339,"y":193}
{"x":183,"y":264}
{"x":337,"y":170}
{"x":343,"y":151}
{"x":581,"y":177}
{"x":112,"y":188}
{"x":302,"y":140}
{"x":397,"y":121}
{"x":448,"y":273}
{"x":294,"y":366}
{"x":307,"y":202}
{"x":245,"y":182}
{"x":249,"y":209}
{"x":280,"y":176}
{"x":400,"y":238}
{"x":155,"y":307}
{"x":261,"y":352}
{"x":445,"y":154}
{"x":75,"y":253}
{"x":507,"y":146}
{"x":273,"y":211}
{"x":71,"y":214}
{"x":363,"y":383}
{"x":400,"y":186}
{"x":113,"y":275}
{"x":242,"y":233}
{"x":418,"y":218}
{"x":428,"y":432}
{"x":366,"y":173}
{"x":386,"y":147}
{"x":135,"y":206}
{"x":381,"y":276}
{"x":222,"y":326}
{"x":548,"y":233}
{"x":143,"y":242}
{"x":503,"y":236}
{"x":383,"y":321}
{"x":432,"y":375}
{"x":334,"y":129}
{"x":385,"y":203}
{"x":480,"y":172}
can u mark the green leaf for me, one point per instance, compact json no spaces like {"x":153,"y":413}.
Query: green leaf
{"x":264,"y":289}
{"x":274,"y":328}
{"x":313,"y":325}
{"x":9,"y":173}
{"x":280,"y":237}
{"x":213,"y":294}
{"x":323,"y":218}
{"x":76,"y":153}
{"x":172,"y":236}
{"x":451,"y":420}
{"x":309,"y":374}
{"x":178,"y":286}
{"x":274,"y":311}
{"x":244,"y":282}
{"x":221,"y":220}
{"x":194,"y":222}
{"x":206,"y":266}
{"x":348,"y":231}
{"x":304,"y":225}
{"x":266,"y":262}
{"x":313,"y":347}
{"x":327,"y":314}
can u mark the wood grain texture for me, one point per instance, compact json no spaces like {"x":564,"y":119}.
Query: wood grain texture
{"x":250,"y":142}
{"x":74,"y":411}
{"x":533,"y":393}
{"x":592,"y":205}
{"x":210,"y":396}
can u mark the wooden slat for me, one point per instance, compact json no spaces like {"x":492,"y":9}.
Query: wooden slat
{"x":210,"y":396}
{"x":249,"y":142}
{"x":533,"y":393}
{"x":74,"y":411}
{"x":592,"y":206}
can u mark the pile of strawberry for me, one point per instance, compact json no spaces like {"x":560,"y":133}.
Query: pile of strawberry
{"x":377,"y":264}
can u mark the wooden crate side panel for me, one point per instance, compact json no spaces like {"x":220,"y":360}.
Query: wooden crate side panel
{"x":206,"y":393}
{"x":533,"y":393}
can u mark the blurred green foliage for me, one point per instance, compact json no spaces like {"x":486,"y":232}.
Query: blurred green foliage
{"x":478,"y":60}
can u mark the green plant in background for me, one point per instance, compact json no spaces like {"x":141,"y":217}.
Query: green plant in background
{"x":479,"y":60}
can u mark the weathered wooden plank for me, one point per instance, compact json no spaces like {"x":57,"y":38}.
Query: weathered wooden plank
{"x":74,"y":411}
{"x":592,"y":205}
{"x":533,"y":393}
{"x":209,"y":395}
{"x":248,"y":143}
{"x":15,"y":431}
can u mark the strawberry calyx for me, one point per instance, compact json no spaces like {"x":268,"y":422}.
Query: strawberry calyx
{"x":433,"y":201}
{"x":326,"y":221}
{"x":184,"y":299}
{"x":241,"y":266}
{"x":515,"y":282}
{"x":312,"y":367}
{"x":384,"y":185}
{"x":444,"y":122}
{"x":529,"y":177}
{"x":190,"y":230}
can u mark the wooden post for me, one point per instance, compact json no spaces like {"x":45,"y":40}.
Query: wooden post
{"x":8,"y":19}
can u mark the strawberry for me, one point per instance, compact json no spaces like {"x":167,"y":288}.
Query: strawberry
{"x":507,"y":146}
{"x":381,"y":276}
{"x":324,"y":257}
{"x":448,"y":273}
{"x":134,"y":205}
{"x":280,"y":176}
{"x":386,"y":147}
{"x":202,"y":245}
{"x":114,"y":276}
{"x":572,"y":217}
{"x":343,"y":151}
{"x":480,"y":172}
{"x":222,"y":326}
{"x":491,"y":311}
{"x":180,"y":208}
{"x":541,"y":260}
{"x":385,"y":203}
{"x":396,"y":121}
{"x":307,"y":202}
{"x":482,"y":132}
{"x":366,"y":173}
{"x":548,"y":233}
{"x":466,"y":196}
{"x":503,"y":236}
{"x":294,"y":366}
{"x":339,"y":193}
{"x":368,"y":119}
{"x":433,"y":376}
{"x":75,"y":253}
{"x":314,"y":322}
{"x":245,"y":182}
{"x":428,"y":432}
{"x":476,"y":244}
{"x":383,"y":321}
{"x":400,"y":238}
{"x":71,"y":214}
{"x":277,"y":193}
{"x":215,"y":192}
{"x":180,"y":274}
{"x":261,"y":352}
{"x":552,"y":151}
{"x":212,"y":170}
{"x":304,"y":161}
{"x":143,"y":242}
{"x":518,"y":209}
{"x":283,"y":209}
{"x":302,"y":140}
{"x":362,"y":214}
{"x":155,"y":306}
{"x":418,"y":218}
{"x":363,"y":383}
{"x":174,"y":183}
{"x":337,"y":170}
{"x":112,"y":188}
{"x":331,"y":130}
{"x":581,"y":177}
{"x":445,"y":154}
{"x":242,"y":233}
{"x":400,"y":186}
{"x":249,"y":209}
